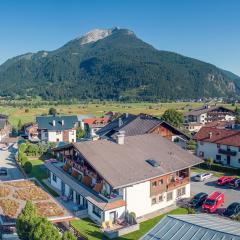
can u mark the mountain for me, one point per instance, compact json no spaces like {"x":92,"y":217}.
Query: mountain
{"x":113,"y":64}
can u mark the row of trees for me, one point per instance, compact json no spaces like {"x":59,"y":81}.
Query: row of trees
{"x":30,"y":226}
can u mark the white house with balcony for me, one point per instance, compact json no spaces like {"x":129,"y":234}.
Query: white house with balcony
{"x":220,"y":144}
{"x":110,"y":179}
{"x":57,"y":128}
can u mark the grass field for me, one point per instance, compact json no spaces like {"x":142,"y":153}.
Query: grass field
{"x":27,"y":112}
{"x":92,"y":231}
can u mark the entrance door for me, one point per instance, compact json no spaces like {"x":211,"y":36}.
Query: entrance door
{"x":85,"y":203}
{"x":63,"y":188}
{"x":228,"y":160}
{"x":112,"y":216}
{"x":78,"y":199}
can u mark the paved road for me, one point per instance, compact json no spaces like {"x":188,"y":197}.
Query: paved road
{"x":7,"y":160}
{"x":209,"y":186}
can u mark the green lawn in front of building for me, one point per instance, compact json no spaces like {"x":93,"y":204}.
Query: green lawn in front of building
{"x":40,"y":173}
{"x":92,"y":232}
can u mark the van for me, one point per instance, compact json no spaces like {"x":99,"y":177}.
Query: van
{"x":213,"y":202}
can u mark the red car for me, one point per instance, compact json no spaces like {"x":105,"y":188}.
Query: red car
{"x":224,"y":180}
{"x":213,"y":202}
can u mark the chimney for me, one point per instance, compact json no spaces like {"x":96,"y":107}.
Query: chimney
{"x":62,"y":122}
{"x":210,"y":134}
{"x":54,"y":123}
{"x":120,"y":122}
{"x":120,"y":137}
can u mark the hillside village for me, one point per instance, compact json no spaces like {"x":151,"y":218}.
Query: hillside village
{"x":118,"y":170}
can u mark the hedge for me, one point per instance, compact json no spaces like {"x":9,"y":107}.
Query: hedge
{"x":220,"y":168}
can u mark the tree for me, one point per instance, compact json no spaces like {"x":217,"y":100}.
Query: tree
{"x":26,"y":221}
{"x":209,"y":162}
{"x":19,"y":125}
{"x":52,"y":111}
{"x":44,"y":230}
{"x":173,"y":117}
{"x":80,"y":132}
{"x":28,"y":167}
{"x":68,"y":236}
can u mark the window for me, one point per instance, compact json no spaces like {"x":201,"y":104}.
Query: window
{"x":181,"y":192}
{"x":160,"y":198}
{"x":97,"y":211}
{"x":54,"y":178}
{"x":72,"y":140}
{"x":239,"y":160}
{"x":169,"y":196}
{"x":57,"y":139}
{"x":160,"y":182}
{"x":154,"y":201}
{"x":218,"y":145}
{"x":154,"y":184}
{"x":228,"y":148}
{"x":218,"y":157}
{"x":239,"y":149}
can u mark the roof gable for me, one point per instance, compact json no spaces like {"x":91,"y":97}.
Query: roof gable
{"x":218,"y":136}
{"x":46,"y":122}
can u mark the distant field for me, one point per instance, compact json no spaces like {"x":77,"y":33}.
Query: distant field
{"x":28,"y":113}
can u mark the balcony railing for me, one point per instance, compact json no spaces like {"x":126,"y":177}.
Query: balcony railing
{"x":227,"y":152}
{"x":177,"y":183}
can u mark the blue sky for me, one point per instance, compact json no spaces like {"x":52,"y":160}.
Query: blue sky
{"x":204,"y":29}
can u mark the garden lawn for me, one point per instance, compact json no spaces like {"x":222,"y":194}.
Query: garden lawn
{"x":90,"y":230}
{"x":40,"y":173}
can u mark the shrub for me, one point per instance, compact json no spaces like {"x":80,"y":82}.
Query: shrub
{"x":191,"y":210}
{"x":220,"y":168}
{"x":68,"y":236}
{"x":28,"y":167}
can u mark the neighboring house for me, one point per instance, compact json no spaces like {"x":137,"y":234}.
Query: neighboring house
{"x":5,"y":127}
{"x":31,"y":132}
{"x":133,"y":125}
{"x":109,"y":179}
{"x":194,"y":227}
{"x":92,"y":125}
{"x":57,"y":128}
{"x":221,"y":144}
{"x":207,"y":114}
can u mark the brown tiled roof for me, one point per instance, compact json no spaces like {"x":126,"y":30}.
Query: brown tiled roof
{"x":219,"y":136}
{"x":123,"y":165}
{"x":115,"y":204}
{"x":219,"y":124}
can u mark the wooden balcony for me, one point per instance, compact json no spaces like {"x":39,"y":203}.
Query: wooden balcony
{"x":177,"y":183}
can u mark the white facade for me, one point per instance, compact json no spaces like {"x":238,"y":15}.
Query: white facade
{"x":211,"y":150}
{"x":140,"y":202}
{"x":58,"y":136}
{"x":137,"y":198}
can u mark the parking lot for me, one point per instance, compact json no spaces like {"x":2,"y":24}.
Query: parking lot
{"x":7,"y":160}
{"x":209,"y":186}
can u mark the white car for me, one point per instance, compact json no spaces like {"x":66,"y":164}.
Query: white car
{"x":202,"y":177}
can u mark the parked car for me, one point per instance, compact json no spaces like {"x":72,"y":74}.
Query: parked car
{"x":232,"y":210}
{"x":3,"y":171}
{"x":213,"y":202}
{"x":235,"y":183}
{"x":224,"y":180}
{"x":202,"y":177}
{"x":198,"y":200}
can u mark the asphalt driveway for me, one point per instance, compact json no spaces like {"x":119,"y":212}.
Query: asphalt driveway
{"x":7,"y":160}
{"x":209,"y":186}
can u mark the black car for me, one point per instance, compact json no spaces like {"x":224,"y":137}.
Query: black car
{"x":232,"y":210}
{"x":3,"y":171}
{"x":235,"y":183}
{"x":198,"y":200}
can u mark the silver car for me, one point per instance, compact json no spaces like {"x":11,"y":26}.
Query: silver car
{"x":203,"y":176}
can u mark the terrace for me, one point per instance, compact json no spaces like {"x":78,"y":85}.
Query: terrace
{"x":178,"y":179}
{"x":13,"y":197}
